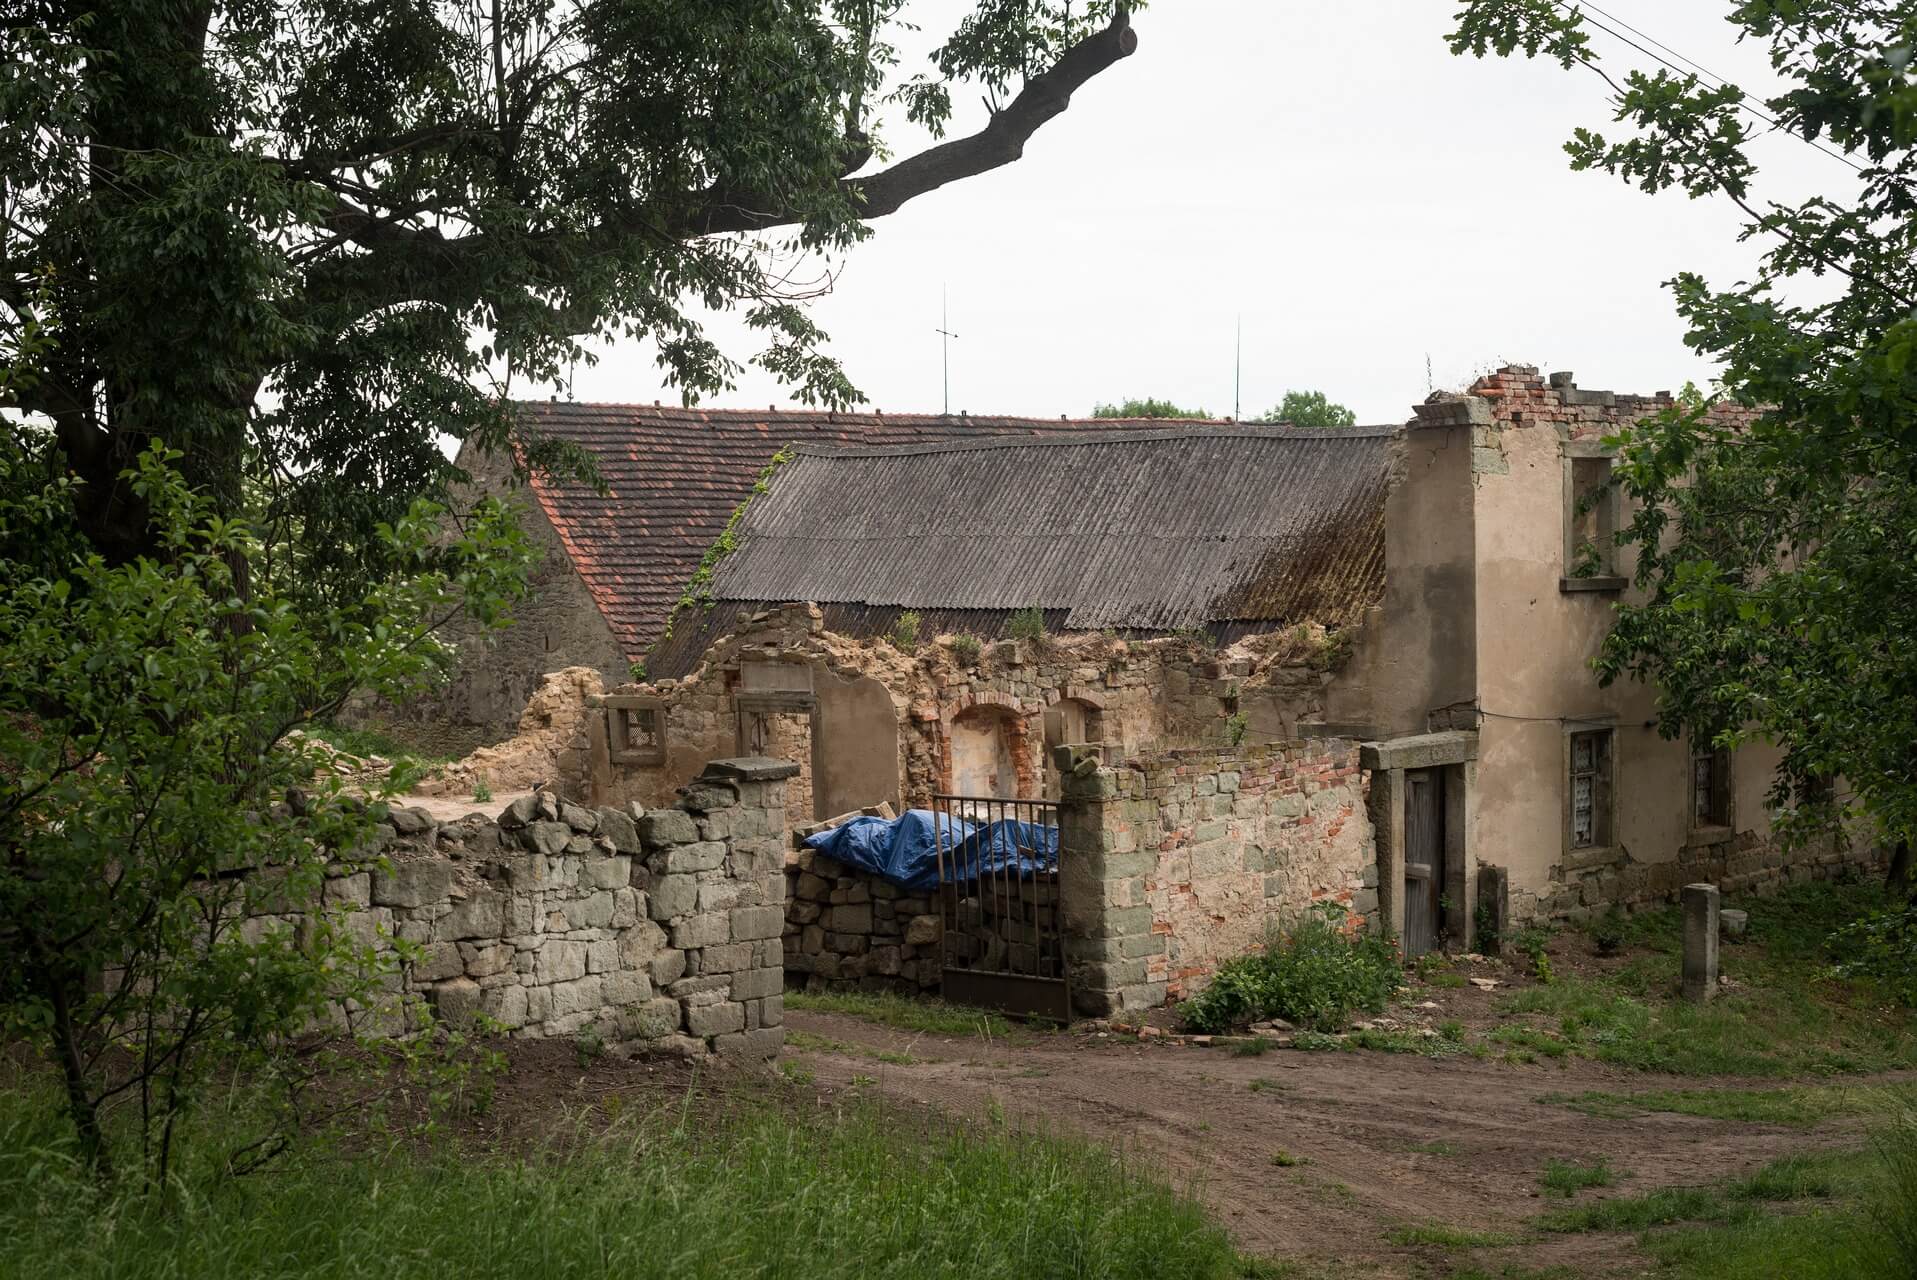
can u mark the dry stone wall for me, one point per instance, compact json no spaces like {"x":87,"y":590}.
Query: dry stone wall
{"x":555,"y":919}
{"x":1175,"y":863}
{"x":847,"y":929}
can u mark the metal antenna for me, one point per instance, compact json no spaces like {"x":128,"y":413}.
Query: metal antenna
{"x":1237,"y":362}
{"x":945,"y":350}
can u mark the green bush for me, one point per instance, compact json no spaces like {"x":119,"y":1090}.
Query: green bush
{"x":965,"y":649}
{"x":905,"y":631}
{"x":1027,"y":624}
{"x":1882,"y":947}
{"x":1316,"y":974}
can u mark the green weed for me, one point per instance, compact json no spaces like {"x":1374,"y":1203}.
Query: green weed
{"x":1448,"y":1237}
{"x":927,"y":1017}
{"x":1315,"y":974}
{"x":1568,"y":1177}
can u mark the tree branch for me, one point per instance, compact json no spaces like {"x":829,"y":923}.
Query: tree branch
{"x":999,"y":143}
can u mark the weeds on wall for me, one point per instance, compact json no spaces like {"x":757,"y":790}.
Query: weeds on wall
{"x":1027,"y":624}
{"x":905,"y":632}
{"x":1317,"y":974}
{"x":965,"y":650}
{"x":1236,"y":725}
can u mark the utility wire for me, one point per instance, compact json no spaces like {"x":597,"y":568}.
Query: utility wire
{"x":1743,"y":98}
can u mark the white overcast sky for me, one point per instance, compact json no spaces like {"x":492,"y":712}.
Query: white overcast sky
{"x":1329,"y":171}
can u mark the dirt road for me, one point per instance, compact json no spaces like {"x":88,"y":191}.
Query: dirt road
{"x":1321,"y":1155}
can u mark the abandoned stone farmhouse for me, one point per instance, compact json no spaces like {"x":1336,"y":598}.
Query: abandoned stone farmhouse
{"x":1236,"y":670}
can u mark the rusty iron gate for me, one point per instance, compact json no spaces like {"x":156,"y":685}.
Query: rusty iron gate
{"x":1001,"y":947}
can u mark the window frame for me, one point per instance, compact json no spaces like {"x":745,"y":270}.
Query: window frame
{"x":1722,"y":818}
{"x":1605,"y":787}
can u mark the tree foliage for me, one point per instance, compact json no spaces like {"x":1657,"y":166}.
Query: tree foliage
{"x":1146,"y":408}
{"x":1312,"y":409}
{"x":301,"y":239}
{"x":163,"y":845}
{"x":1776,"y":560}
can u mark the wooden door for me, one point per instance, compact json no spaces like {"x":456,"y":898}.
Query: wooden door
{"x":1423,"y":859}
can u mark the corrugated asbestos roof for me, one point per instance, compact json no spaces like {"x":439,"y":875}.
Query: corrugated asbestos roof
{"x":1140,"y":531}
{"x":674,"y":477}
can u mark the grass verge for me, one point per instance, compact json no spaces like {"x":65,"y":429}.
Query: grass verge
{"x":683,"y":1195}
{"x":925,"y":1016}
{"x":1798,"y":1105}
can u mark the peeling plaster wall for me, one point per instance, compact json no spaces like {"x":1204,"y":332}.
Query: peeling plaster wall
{"x":1173,"y":864}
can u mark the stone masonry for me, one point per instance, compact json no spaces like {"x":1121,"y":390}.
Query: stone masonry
{"x":559,"y":920}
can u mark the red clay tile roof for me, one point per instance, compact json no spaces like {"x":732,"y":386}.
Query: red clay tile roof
{"x":675,"y":475}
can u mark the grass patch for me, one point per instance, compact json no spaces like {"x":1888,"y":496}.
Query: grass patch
{"x":685,"y":1195}
{"x":1448,"y":1237}
{"x":1285,"y":1160}
{"x":1252,"y":1047}
{"x":1438,"y":1147}
{"x":806,"y":1042}
{"x":360,"y":741}
{"x":1794,"y":1178}
{"x":1313,"y":974}
{"x":1797,"y":1105}
{"x":927,"y":1017}
{"x":1568,"y":1177}
{"x":1786,"y":1016}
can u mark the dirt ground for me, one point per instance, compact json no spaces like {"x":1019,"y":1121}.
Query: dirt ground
{"x":1380,"y":1141}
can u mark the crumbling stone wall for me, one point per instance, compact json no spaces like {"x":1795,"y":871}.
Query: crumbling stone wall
{"x":847,"y":929}
{"x":1174,"y":863}
{"x":1144,"y":695}
{"x":554,"y":918}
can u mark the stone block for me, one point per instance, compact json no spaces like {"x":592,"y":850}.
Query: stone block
{"x":763,"y":1043}
{"x":521,"y":812}
{"x":1700,"y":906}
{"x":608,"y":873}
{"x":413,"y":883}
{"x":708,"y":929}
{"x":485,"y":961}
{"x":456,"y":1000}
{"x":442,"y":960}
{"x":578,"y":817}
{"x":355,"y":890}
{"x":813,"y":888}
{"x":704,"y":795}
{"x":559,"y":961}
{"x":581,"y":995}
{"x":749,"y":924}
{"x":704,"y":855}
{"x":546,"y":837}
{"x":722,"y":896}
{"x":625,"y":988}
{"x":602,"y":956}
{"x":483,"y":915}
{"x":756,"y":984}
{"x":849,"y":918}
{"x":772,"y":1011}
{"x":619,"y":828}
{"x":506,"y":1005}
{"x":727,"y":959}
{"x":668,"y":966}
{"x":715,"y":1019}
{"x":594,"y":911}
{"x":922,"y":931}
{"x":663,"y":827}
{"x":672,"y":896}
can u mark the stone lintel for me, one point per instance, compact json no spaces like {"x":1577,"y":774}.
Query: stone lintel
{"x":750,"y":769}
{"x":1421,"y":751}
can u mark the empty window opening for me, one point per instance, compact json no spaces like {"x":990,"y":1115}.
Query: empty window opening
{"x":1591,"y":535}
{"x":1710,"y":787}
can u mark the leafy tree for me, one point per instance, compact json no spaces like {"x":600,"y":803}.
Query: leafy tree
{"x":1775,"y":521}
{"x":1311,"y":409}
{"x":296,"y":237}
{"x":161,"y":835}
{"x":1146,"y":409}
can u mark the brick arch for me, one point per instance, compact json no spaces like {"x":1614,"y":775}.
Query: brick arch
{"x":991,"y":752}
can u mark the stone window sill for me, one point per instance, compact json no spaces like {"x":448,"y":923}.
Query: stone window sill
{"x":1568,"y":585}
{"x":1703,"y":836}
{"x":1589,"y":857}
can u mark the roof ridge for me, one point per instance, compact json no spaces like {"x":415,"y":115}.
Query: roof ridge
{"x":1225,"y":431}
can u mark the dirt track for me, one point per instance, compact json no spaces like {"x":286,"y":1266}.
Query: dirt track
{"x":1383,"y":1140}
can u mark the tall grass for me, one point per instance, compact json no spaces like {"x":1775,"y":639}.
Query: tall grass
{"x":755,"y":1195}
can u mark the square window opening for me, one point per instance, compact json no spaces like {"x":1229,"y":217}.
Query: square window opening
{"x":1592,"y":520}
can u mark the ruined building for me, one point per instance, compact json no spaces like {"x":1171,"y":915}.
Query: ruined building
{"x":1237,"y":671}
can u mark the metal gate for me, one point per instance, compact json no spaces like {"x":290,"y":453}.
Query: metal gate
{"x":998,"y":904}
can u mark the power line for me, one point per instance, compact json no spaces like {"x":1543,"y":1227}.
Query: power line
{"x":1743,"y":99}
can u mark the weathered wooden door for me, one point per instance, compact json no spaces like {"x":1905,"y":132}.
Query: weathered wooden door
{"x":1423,"y":859}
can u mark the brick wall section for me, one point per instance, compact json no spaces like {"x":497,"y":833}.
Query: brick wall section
{"x":1171,"y":865}
{"x":556,"y":919}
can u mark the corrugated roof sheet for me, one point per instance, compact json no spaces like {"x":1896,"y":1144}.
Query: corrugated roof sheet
{"x":1139,"y":531}
{"x":674,"y":477}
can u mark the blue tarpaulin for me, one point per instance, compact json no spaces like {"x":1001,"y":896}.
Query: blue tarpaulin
{"x":905,"y":850}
